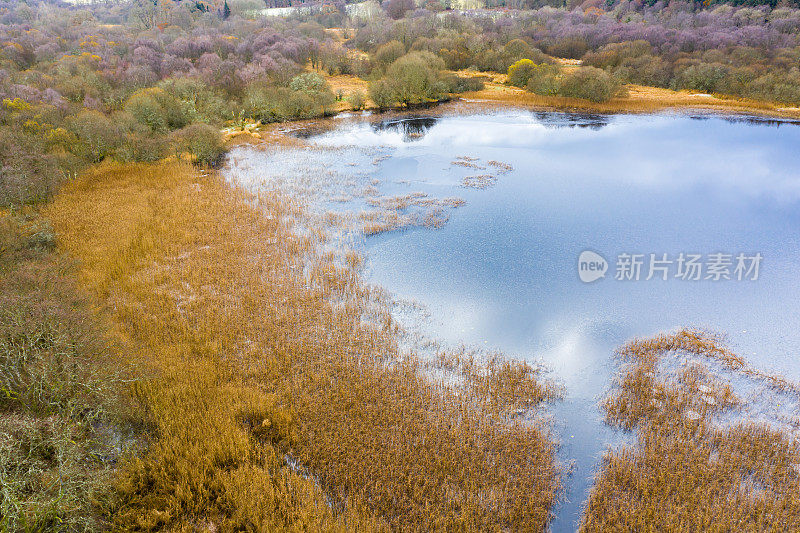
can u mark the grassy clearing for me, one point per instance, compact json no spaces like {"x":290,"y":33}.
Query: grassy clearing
{"x":274,"y":403}
{"x":64,"y":419}
{"x":699,"y":464}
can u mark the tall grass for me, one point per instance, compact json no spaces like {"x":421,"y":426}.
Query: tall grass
{"x":694,"y":468}
{"x":275,"y":404}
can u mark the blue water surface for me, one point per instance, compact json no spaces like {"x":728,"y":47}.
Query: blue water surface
{"x":502,"y":273}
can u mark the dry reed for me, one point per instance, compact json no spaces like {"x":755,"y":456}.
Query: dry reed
{"x":702,"y":462}
{"x":281,"y":399}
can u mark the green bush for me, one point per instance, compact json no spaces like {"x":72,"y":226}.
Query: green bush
{"x":703,"y":77}
{"x":273,"y":104}
{"x":202,"y":141}
{"x":356,"y":100}
{"x":545,"y":80}
{"x":388,"y":53}
{"x":540,"y":79}
{"x":97,"y":136}
{"x":159,"y":110}
{"x":413,"y":79}
{"x":644,"y":70}
{"x":297,"y":104}
{"x":146,"y":148}
{"x":382,"y":94}
{"x":202,"y":102}
{"x":462,"y":84}
{"x":319,"y":99}
{"x":518,"y":48}
{"x":28,"y":175}
{"x":614,"y":54}
{"x":776,"y":87}
{"x":589,"y":83}
{"x":501,"y":60}
{"x":260,"y":103}
{"x":520,"y":72}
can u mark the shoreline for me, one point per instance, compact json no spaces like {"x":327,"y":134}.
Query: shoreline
{"x":187,"y":271}
{"x":280,"y":133}
{"x":640,"y":99}
{"x":496,"y":95}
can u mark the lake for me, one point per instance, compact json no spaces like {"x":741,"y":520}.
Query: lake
{"x":651,"y":196}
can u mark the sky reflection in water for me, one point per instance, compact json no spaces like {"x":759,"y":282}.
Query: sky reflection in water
{"x":502,"y":273}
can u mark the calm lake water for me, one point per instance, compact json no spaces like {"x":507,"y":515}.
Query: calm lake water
{"x":503,"y":272}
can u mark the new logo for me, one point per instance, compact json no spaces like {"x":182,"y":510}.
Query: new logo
{"x":591,"y":266}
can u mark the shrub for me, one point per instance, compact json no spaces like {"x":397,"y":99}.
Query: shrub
{"x":201,"y":141}
{"x":501,"y":60}
{"x":159,"y":110}
{"x":335,"y":61}
{"x":520,"y":72}
{"x":572,"y":47}
{"x":27,"y":174}
{"x":315,"y":88}
{"x":589,"y":83}
{"x":545,"y":80}
{"x":382,"y":94}
{"x":260,"y":103}
{"x":462,"y":84}
{"x":97,"y":135}
{"x":388,"y":53}
{"x":292,"y":105}
{"x":645,"y":70}
{"x":356,"y":100}
{"x":784,"y":89}
{"x":540,"y":79}
{"x":272,"y":104}
{"x":415,"y":78}
{"x":143,"y":147}
{"x":612,"y":55}
{"x":702,"y":77}
{"x":518,"y":48}
{"x":203,"y":103}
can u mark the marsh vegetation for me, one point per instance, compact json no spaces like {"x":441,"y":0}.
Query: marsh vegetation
{"x":188,"y":349}
{"x":499,"y":275}
{"x":275,"y":403}
{"x":707,"y":455}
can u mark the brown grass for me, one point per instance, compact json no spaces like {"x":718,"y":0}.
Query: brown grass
{"x":276,"y":403}
{"x":698,"y":464}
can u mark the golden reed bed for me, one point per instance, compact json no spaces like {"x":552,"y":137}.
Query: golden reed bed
{"x":277,"y":396}
{"x":272,"y":402}
{"x":707,"y":457}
